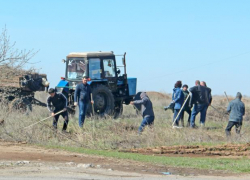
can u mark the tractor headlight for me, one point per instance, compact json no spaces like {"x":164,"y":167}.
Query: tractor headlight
{"x":59,"y":89}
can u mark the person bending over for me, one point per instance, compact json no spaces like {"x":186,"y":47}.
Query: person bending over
{"x":236,"y":108}
{"x":147,"y":111}
{"x":59,"y":102}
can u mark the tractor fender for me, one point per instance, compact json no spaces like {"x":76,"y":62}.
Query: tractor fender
{"x":63,"y":86}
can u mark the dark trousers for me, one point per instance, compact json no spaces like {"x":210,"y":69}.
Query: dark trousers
{"x":148,"y":120}
{"x":65,"y":117}
{"x":198,"y":108}
{"x":83,"y":106}
{"x":232,"y":124}
{"x":182,"y":116}
{"x":176,"y":111}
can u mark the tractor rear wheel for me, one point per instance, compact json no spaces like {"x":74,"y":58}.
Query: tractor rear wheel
{"x":104,"y":103}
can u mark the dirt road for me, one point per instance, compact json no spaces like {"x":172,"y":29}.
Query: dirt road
{"x":23,"y":162}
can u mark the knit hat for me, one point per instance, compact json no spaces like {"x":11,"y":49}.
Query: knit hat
{"x":185,"y":86}
{"x":238,"y":95}
{"x":143,"y":95}
{"x":51,"y":90}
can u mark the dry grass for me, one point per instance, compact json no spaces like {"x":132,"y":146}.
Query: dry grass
{"x":122,"y":133}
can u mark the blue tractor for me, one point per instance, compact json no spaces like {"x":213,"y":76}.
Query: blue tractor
{"x":110,"y":88}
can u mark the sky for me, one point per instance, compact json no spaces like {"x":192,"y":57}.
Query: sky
{"x":165,"y":40}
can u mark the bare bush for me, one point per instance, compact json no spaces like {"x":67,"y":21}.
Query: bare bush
{"x":13,"y":60}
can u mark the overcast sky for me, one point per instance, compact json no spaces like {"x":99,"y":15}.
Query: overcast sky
{"x":165,"y":40}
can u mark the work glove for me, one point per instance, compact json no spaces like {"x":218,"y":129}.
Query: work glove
{"x":75,"y":103}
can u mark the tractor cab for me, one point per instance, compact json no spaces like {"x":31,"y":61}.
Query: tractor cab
{"x":98,"y":66}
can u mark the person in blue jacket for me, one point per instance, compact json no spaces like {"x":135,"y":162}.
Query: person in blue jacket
{"x":82,"y":97}
{"x":178,"y":99}
{"x":236,"y":108}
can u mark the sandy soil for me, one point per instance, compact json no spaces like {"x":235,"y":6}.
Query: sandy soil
{"x":21,"y":161}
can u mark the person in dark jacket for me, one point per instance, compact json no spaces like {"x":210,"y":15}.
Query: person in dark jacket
{"x":59,"y":102}
{"x":186,"y":107}
{"x":82,"y":97}
{"x":201,"y":98}
{"x":203,"y":83}
{"x":236,"y":108}
{"x":147,"y":111}
{"x":178,"y":99}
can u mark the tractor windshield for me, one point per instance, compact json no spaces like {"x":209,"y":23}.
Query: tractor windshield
{"x":95,"y":68}
{"x":76,"y":68}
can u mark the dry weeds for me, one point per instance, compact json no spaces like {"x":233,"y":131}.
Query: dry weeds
{"x":122,"y":133}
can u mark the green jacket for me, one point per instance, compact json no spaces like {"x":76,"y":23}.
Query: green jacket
{"x":186,"y":93}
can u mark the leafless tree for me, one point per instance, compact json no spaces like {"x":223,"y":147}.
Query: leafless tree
{"x":13,"y":60}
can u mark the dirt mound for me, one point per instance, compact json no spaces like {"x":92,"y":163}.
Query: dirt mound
{"x":220,"y":150}
{"x":153,"y":94}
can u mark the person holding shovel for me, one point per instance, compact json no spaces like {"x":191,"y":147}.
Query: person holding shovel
{"x":186,"y":107}
{"x":177,"y":99}
{"x":59,"y":102}
{"x":147,"y":111}
{"x":82,"y":97}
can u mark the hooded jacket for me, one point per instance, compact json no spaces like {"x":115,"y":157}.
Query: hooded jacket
{"x":236,"y":108}
{"x":146,"y":105}
{"x":178,"y":98}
